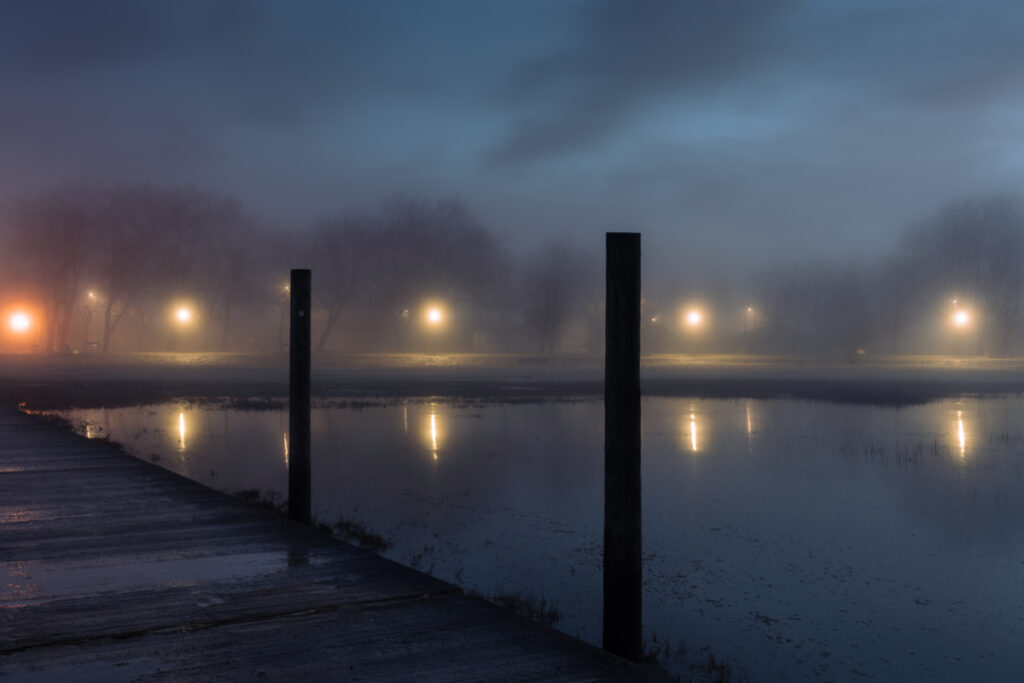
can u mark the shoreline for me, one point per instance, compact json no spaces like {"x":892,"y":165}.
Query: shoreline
{"x":94,"y":380}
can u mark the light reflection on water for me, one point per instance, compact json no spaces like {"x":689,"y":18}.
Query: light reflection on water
{"x":181,"y":431}
{"x":881,"y":536}
{"x":960,"y":434}
{"x":432,"y":433}
{"x":691,"y":432}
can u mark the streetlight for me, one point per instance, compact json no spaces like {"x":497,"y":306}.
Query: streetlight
{"x":962,"y":326}
{"x":434,"y":315}
{"x":694,"y":317}
{"x":19,"y":322}
{"x":183,"y":323}
{"x":87,"y":312}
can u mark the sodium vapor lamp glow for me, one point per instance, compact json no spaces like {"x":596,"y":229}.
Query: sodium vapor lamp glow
{"x":20,"y":322}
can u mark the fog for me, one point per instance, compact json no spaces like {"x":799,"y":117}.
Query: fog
{"x":133,"y":268}
{"x":814,"y":178}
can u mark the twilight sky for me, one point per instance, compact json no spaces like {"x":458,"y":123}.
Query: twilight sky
{"x":727,"y":131}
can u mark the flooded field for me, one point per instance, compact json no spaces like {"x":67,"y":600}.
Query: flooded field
{"x":798,"y":540}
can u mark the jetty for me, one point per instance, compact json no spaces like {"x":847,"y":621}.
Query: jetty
{"x":112,"y":568}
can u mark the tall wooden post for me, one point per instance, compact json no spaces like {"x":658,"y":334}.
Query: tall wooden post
{"x":622,"y":571}
{"x":298,"y":399}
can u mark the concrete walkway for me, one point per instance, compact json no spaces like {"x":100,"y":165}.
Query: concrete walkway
{"x":114,"y":569}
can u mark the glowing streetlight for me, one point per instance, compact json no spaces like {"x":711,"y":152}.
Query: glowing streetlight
{"x":694,"y":317}
{"x":434,"y":315}
{"x":183,"y":315}
{"x":961,"y":318}
{"x":19,"y":322}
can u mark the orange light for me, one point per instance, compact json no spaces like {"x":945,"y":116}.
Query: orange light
{"x":19,"y":322}
{"x":183,"y":314}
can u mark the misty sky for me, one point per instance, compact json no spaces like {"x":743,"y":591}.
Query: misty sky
{"x":728,"y":132}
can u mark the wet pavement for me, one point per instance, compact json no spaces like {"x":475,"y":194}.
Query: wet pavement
{"x":112,"y":568}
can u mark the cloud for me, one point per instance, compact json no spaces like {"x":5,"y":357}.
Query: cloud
{"x":776,"y":119}
{"x":625,"y":55}
{"x":248,"y":60}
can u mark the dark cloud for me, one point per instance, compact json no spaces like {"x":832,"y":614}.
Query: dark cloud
{"x":244,"y":56}
{"x":788,"y":125}
{"x":626,"y":54}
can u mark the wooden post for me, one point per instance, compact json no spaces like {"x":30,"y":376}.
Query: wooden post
{"x":622,"y":571}
{"x":298,"y":399}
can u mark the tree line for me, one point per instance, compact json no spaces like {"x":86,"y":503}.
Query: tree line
{"x":963,"y":264}
{"x":102,"y":266}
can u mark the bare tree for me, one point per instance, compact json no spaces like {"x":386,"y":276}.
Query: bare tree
{"x":125,"y":255}
{"x":342,"y":253}
{"x":815,"y":308}
{"x":435,"y":249}
{"x":156,"y":243}
{"x":50,"y":232}
{"x":225,"y":277}
{"x":552,"y":283}
{"x":972,"y":249}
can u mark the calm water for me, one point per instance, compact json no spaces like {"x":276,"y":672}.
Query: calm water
{"x":798,"y":540}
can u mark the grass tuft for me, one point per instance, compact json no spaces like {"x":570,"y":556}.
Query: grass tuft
{"x":360,"y":534}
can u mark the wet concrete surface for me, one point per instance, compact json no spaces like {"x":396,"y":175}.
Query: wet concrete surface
{"x":112,"y":568}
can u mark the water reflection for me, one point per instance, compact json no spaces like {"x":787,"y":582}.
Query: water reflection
{"x":750,"y":430}
{"x":434,"y":433}
{"x":876,"y":491}
{"x":181,"y":430}
{"x":690,"y":431}
{"x":960,"y":435}
{"x":286,"y":449}
{"x":19,"y":589}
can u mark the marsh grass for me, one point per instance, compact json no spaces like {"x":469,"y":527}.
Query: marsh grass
{"x":680,"y":664}
{"x":360,"y":534}
{"x":524,"y":603}
{"x":348,"y":530}
{"x":264,"y":499}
